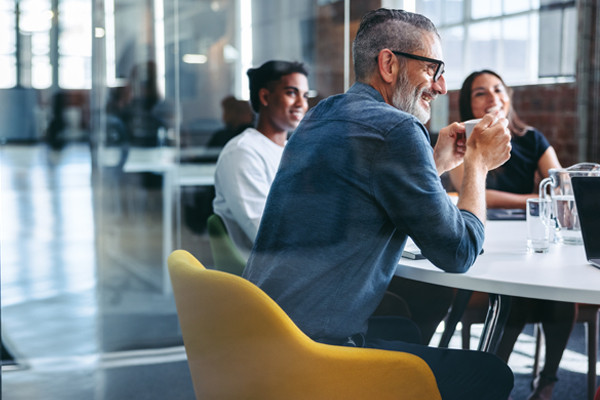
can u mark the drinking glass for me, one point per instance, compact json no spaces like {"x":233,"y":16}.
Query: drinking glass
{"x":538,"y":221}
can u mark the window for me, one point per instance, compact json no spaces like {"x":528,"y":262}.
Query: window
{"x":485,"y":8}
{"x":75,"y":44}
{"x":35,"y":21}
{"x":26,"y":51}
{"x":558,"y":41}
{"x":8,"y":60}
{"x":524,"y":40}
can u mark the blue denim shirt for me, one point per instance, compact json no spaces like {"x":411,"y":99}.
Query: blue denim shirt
{"x":355,"y":179}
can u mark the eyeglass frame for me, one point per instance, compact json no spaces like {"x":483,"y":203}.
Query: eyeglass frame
{"x":440,"y":64}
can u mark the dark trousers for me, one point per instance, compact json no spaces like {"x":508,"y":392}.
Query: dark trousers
{"x":460,"y":374}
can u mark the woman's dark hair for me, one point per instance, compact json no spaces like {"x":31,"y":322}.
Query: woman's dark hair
{"x":515,"y":124}
{"x":270,"y":72}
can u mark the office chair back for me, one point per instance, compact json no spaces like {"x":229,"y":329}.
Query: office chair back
{"x":241,"y":344}
{"x":226,"y":255}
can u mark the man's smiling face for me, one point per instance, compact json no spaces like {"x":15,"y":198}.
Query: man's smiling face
{"x":415,"y":88}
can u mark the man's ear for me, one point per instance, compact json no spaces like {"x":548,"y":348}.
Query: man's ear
{"x":387,"y":65}
{"x":263,"y":96}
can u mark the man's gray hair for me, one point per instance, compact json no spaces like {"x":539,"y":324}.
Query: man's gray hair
{"x":380,"y":29}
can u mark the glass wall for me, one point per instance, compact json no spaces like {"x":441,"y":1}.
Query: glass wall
{"x":158,"y":96}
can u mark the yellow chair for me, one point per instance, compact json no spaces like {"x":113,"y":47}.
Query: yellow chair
{"x":241,"y":345}
{"x":226,"y":255}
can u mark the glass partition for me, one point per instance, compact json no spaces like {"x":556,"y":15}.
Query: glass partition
{"x":160,"y":91}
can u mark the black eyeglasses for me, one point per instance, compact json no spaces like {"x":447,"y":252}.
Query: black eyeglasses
{"x":439,"y":71}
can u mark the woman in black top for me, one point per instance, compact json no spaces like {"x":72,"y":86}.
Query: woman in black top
{"x":509,"y":186}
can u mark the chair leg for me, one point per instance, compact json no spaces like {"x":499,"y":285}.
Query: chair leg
{"x":537,"y":330}
{"x":466,"y":336}
{"x":592,"y":352}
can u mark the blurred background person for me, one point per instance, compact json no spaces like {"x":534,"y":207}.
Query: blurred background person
{"x":509,"y":186}
{"x":56,"y":128}
{"x":237,"y":116}
{"x":143,"y":109}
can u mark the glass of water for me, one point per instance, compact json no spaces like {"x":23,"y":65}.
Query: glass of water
{"x":538,"y":222}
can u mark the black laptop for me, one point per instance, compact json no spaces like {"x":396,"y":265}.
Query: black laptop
{"x":587,"y":200}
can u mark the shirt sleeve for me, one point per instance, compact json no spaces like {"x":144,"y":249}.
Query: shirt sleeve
{"x":408,"y":187}
{"x":541,"y":143}
{"x":244,"y":183}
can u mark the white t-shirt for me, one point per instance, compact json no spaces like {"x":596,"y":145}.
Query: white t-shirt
{"x":245,"y":171}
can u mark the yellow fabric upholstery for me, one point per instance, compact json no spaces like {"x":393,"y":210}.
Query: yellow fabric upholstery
{"x":241,"y":345}
{"x":226,"y":255}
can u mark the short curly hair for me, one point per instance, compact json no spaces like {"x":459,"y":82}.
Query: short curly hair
{"x":270,"y":72}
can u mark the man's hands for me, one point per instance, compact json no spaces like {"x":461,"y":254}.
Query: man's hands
{"x":489,"y":144}
{"x":450,"y":147}
{"x":488,"y":147}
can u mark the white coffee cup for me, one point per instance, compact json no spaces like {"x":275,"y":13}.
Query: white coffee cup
{"x":469,"y":125}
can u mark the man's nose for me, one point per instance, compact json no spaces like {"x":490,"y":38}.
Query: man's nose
{"x":440,"y":85}
{"x":302,"y":101}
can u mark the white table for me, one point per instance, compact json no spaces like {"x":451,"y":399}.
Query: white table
{"x":506,"y":268}
{"x":162,"y":160}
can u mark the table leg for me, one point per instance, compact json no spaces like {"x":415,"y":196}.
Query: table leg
{"x":494,"y":322}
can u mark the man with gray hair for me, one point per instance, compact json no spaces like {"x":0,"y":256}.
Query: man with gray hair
{"x":359,"y":176}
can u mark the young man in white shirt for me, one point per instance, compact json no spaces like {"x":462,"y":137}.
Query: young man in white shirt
{"x":247,"y":165}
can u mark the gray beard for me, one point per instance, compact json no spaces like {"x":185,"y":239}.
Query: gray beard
{"x":409,"y":103}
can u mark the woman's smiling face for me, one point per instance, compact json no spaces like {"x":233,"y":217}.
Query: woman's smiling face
{"x":489,"y":95}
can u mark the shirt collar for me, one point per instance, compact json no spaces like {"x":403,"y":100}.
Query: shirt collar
{"x":365,"y":89}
